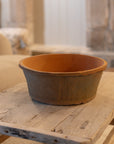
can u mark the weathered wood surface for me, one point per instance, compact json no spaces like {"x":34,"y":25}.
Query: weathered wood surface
{"x":21,"y":117}
{"x":112,"y":140}
{"x":107,"y":136}
{"x":13,"y":140}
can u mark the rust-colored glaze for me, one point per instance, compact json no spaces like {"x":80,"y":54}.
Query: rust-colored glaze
{"x":63,"y":79}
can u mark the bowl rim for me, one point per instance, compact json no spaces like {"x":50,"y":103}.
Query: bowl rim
{"x":84,"y":72}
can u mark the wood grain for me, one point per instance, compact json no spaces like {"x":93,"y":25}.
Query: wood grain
{"x":106,"y":138}
{"x":112,"y":140}
{"x":107,"y":135}
{"x":57,"y":124}
{"x":3,"y":138}
{"x":13,"y":140}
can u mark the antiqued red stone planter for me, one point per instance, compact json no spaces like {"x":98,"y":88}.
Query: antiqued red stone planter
{"x":63,"y":79}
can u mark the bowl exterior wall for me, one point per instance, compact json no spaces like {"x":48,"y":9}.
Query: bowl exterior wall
{"x":62,"y":90}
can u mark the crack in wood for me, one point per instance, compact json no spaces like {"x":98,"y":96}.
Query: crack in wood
{"x":83,"y":126}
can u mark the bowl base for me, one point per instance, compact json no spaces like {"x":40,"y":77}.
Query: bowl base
{"x":66,"y":103}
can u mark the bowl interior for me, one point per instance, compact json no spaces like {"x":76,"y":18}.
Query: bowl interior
{"x":62,"y":63}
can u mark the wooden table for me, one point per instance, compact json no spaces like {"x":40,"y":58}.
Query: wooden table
{"x":84,"y":124}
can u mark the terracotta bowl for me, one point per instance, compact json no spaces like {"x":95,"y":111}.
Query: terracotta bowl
{"x":63,"y":79}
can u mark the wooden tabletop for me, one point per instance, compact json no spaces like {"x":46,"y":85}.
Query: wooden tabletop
{"x":22,"y":117}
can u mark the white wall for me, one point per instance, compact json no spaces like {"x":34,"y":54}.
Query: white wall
{"x":5,"y":12}
{"x":13,"y":13}
{"x":65,"y":22}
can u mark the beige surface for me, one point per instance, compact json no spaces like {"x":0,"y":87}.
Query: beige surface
{"x":39,"y":21}
{"x":81,"y":123}
{"x":10,"y":73}
{"x":13,"y":140}
{"x":19,"y":39}
{"x":112,"y":140}
{"x":5,"y":46}
{"x":107,"y":135}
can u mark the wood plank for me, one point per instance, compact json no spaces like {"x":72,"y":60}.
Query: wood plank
{"x":82,"y":123}
{"x":101,"y":140}
{"x":13,"y":140}
{"x":112,"y":140}
{"x":3,"y":138}
{"x":39,"y":135}
{"x":106,"y":136}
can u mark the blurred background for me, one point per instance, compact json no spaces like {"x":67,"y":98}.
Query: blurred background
{"x":33,"y":27}
{"x":59,"y":26}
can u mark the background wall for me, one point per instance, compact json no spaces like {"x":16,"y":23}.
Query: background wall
{"x":18,"y":14}
{"x":65,"y":22}
{"x":5,"y":13}
{"x":61,"y":22}
{"x":100,"y":25}
{"x":39,"y":21}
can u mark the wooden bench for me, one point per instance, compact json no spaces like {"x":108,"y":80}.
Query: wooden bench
{"x":82,"y":124}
